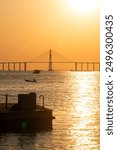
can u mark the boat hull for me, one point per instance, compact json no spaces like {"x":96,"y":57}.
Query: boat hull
{"x":26,"y":121}
{"x":25,"y":116}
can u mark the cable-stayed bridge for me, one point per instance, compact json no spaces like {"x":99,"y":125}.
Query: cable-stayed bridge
{"x":50,"y":60}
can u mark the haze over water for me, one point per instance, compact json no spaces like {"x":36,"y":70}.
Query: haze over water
{"x":75,"y":100}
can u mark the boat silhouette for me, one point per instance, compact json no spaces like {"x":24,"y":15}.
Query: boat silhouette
{"x":36,"y":71}
{"x":27,"y":80}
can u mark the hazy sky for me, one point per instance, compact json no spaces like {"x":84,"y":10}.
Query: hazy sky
{"x":30,"y":27}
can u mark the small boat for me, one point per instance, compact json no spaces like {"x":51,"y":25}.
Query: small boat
{"x":36,"y":71}
{"x":34,"y":80}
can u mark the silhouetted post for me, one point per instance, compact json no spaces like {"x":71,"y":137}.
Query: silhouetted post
{"x":99,"y":66}
{"x":87,"y":66}
{"x":25,"y":66}
{"x":14,"y":66}
{"x":19,"y":66}
{"x":50,"y":61}
{"x":2,"y":66}
{"x":93,"y":66}
{"x":8,"y":66}
{"x":76,"y":66}
{"x":6,"y":101}
{"x":81,"y":66}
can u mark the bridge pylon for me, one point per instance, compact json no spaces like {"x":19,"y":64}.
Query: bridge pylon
{"x":50,"y":61}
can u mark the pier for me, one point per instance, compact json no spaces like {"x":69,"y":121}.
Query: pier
{"x":24,"y":66}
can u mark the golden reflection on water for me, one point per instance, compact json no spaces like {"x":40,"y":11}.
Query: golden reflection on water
{"x":85,"y":113}
{"x":74,"y":99}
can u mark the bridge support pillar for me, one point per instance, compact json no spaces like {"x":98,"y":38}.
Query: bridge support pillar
{"x":19,"y":66}
{"x":8,"y":66}
{"x":14,"y":66}
{"x":50,"y":61}
{"x":93,"y":67}
{"x":76,"y":67}
{"x":2,"y":66}
{"x":25,"y":66}
{"x":88,"y":66}
{"x":81,"y":66}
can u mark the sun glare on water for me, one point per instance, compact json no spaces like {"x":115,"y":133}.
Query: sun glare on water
{"x":83,"y":6}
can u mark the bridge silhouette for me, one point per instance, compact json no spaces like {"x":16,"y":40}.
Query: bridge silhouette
{"x":50,"y":60}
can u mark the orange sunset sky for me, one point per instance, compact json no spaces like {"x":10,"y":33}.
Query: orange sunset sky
{"x":30,"y":27}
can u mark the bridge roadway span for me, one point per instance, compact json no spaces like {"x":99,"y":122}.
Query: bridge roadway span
{"x":22,"y":66}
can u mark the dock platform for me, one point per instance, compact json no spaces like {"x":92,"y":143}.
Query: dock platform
{"x":25,"y":116}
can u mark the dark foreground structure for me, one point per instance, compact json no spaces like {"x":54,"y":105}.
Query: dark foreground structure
{"x":25,"y":116}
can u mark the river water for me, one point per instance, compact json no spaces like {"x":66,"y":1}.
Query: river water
{"x":74,"y":98}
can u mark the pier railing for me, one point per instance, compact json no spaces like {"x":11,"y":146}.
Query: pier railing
{"x":6,"y":100}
